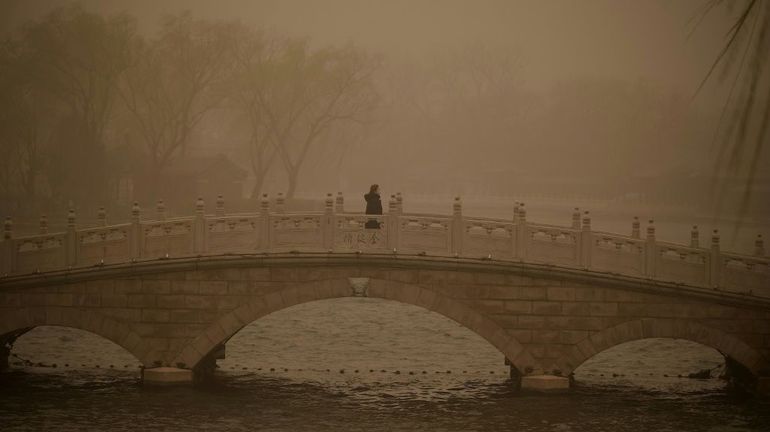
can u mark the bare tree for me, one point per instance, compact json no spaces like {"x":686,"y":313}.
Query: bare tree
{"x":26,"y":118}
{"x":77,"y":56}
{"x":306,"y":92}
{"x":174,"y":81}
{"x":254,"y":52}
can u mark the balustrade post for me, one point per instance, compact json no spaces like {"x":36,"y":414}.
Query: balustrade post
{"x":636,"y":228}
{"x":8,"y":229}
{"x":585,"y":241}
{"x":8,"y":261}
{"x":199,"y":228}
{"x":160,"y":208}
{"x":576,"y":218}
{"x":522,"y":233}
{"x":280,"y":202}
{"x":715,"y":275}
{"x":391,"y":224}
{"x":515,"y":212}
{"x":694,"y":237}
{"x":220,"y":210}
{"x":458,"y":227}
{"x":339,"y":203}
{"x":759,"y":246}
{"x":43,"y":224}
{"x":135,"y":242}
{"x":650,"y":251}
{"x":264,"y":223}
{"x":71,"y":252}
{"x":101,"y":216}
{"x":327,"y":222}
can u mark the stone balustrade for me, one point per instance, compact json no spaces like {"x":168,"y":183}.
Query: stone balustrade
{"x":333,"y":230}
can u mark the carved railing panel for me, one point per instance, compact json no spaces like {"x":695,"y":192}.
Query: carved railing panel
{"x":233,"y":234}
{"x":617,"y":254}
{"x":745,"y":274}
{"x":173,"y":238}
{"x":296,"y":232}
{"x":684,"y":264}
{"x":365,"y":233}
{"x":104,"y":245}
{"x":42,"y":252}
{"x":425,"y":234}
{"x":400,"y":233}
{"x":552,"y":245}
{"x":488,"y":238}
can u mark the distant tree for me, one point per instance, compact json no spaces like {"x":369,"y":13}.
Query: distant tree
{"x":27,"y":116}
{"x":174,"y":80}
{"x":77,"y":57}
{"x":306,"y":92}
{"x":254,"y":53}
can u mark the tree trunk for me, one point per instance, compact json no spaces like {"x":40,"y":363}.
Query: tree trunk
{"x":293,"y":179}
{"x":256,"y":191}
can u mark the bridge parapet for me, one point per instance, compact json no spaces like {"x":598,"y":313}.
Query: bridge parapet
{"x":335,"y":230}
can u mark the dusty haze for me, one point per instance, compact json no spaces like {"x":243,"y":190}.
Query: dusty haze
{"x":592,"y":99}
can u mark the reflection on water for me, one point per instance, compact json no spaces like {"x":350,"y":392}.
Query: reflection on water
{"x":365,"y":364}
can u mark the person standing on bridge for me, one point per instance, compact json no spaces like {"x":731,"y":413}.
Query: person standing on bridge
{"x":373,"y":206}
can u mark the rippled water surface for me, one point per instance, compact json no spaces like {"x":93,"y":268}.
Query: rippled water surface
{"x":365,"y":364}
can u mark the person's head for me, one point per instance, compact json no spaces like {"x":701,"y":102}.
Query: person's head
{"x":375,"y":188}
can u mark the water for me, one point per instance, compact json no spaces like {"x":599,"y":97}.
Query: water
{"x":365,"y":364}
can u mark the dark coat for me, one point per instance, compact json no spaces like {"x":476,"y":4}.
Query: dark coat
{"x":373,"y":204}
{"x":373,"y":207}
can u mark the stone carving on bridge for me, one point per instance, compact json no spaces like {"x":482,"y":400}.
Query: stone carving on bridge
{"x":618,"y":244}
{"x":172,"y":238}
{"x":274,"y":230}
{"x":359,"y":286}
{"x":354,"y":236}
{"x":104,"y":245}
{"x":546,"y":296}
{"x":553,"y":236}
{"x":296,"y":231}
{"x":484,"y":239}
{"x":228,"y":234}
{"x":232,"y":225}
{"x":551,"y":245}
{"x":40,"y":253}
{"x":40,"y":244}
{"x":100,"y":235}
{"x":423,"y":234}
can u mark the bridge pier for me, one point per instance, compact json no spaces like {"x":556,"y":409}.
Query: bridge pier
{"x":6,"y":345}
{"x":180,"y":375}
{"x":538,"y":383}
{"x":743,"y":380}
{"x":515,"y":375}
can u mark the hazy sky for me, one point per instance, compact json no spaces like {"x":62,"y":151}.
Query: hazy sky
{"x":555,"y":40}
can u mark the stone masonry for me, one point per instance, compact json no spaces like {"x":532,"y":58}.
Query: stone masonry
{"x":544,"y":320}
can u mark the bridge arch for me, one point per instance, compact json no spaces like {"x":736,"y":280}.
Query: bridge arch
{"x":303,"y":292}
{"x":87,"y":320}
{"x":727,"y":344}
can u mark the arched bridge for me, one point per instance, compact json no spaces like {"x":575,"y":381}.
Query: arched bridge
{"x":173,"y":291}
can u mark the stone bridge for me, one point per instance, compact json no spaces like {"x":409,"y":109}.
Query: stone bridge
{"x":172,"y":291}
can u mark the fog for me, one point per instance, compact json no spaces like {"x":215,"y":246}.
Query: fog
{"x":551,"y":100}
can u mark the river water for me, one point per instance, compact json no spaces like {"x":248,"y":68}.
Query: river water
{"x":376,"y":365}
{"x":365,"y":364}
